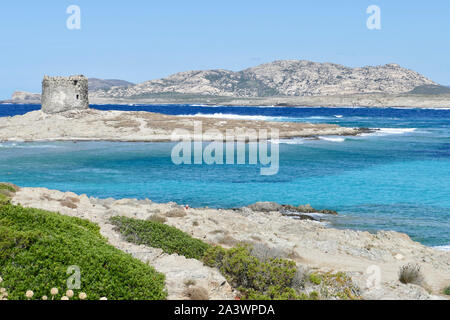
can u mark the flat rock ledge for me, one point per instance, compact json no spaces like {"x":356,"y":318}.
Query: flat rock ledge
{"x":310,"y":244}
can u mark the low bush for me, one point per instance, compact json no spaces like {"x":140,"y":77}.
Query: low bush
{"x":6,"y":192}
{"x":37,"y":247}
{"x":158,"y":235}
{"x":256,"y":279}
{"x":4,"y":199}
{"x":315,"y":278}
{"x":8,"y":187}
{"x":447,"y":291}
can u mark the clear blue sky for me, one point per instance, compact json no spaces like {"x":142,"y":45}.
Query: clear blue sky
{"x":139,"y":40}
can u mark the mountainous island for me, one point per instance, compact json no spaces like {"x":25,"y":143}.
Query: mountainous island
{"x":280,"y":83}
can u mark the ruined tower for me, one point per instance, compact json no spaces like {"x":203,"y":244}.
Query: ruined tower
{"x":61,"y":94}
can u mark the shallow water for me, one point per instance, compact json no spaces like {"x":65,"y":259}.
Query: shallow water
{"x":395,"y":179}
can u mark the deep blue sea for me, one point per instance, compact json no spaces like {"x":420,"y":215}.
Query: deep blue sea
{"x":395,"y":179}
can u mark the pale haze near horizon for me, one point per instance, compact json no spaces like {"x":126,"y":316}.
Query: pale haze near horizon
{"x":142,"y":40}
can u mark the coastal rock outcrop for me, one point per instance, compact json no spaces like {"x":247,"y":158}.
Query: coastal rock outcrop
{"x":94,"y":124}
{"x":308,"y":243}
{"x":302,"y":212}
{"x":265,"y":206}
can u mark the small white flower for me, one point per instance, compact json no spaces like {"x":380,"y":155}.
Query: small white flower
{"x":44,"y":298}
{"x":54,"y":291}
{"x":65,"y":298}
{"x":29,"y":294}
{"x":1,"y":279}
{"x":104,"y":298}
{"x":82,"y":296}
{"x":2,"y":290}
{"x":69,"y":293}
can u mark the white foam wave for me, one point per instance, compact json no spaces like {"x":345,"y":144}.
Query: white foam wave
{"x":397,"y":130}
{"x":27,"y":146}
{"x":233,"y":116}
{"x":289,"y":141}
{"x":389,"y":131}
{"x":332,"y":139}
{"x":443,"y":248}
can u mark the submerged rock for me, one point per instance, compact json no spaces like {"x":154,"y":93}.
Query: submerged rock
{"x":308,"y":209}
{"x":287,"y":209}
{"x":265,"y":206}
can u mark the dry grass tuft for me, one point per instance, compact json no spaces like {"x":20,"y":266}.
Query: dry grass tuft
{"x":197,"y":293}
{"x":176,"y":213}
{"x":70,"y":202}
{"x":157,"y":218}
{"x":227,"y":240}
{"x":411,"y":273}
{"x":217,"y":231}
{"x":190,"y":282}
{"x":264,"y":253}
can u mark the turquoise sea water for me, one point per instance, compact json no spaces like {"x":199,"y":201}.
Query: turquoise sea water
{"x":395,"y":179}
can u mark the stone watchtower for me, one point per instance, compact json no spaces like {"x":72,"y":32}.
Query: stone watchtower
{"x":61,"y":94}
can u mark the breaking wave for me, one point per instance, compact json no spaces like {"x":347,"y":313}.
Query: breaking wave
{"x":332,"y":139}
{"x":443,"y":248}
{"x":234,"y":116}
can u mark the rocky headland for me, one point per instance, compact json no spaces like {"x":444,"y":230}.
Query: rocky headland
{"x":312,"y":245}
{"x":90,"y":124}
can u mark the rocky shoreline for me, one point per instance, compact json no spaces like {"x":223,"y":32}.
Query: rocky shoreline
{"x":310,"y":244}
{"x":85,"y":125}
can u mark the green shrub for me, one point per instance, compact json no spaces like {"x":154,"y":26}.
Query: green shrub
{"x":7,"y":187}
{"x":338,"y":285}
{"x":447,"y":291}
{"x":158,"y":235}
{"x":270,"y":279}
{"x":6,"y":192}
{"x":4,"y":200}
{"x":37,"y":247}
{"x":315,"y":278}
{"x":314,"y":295}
